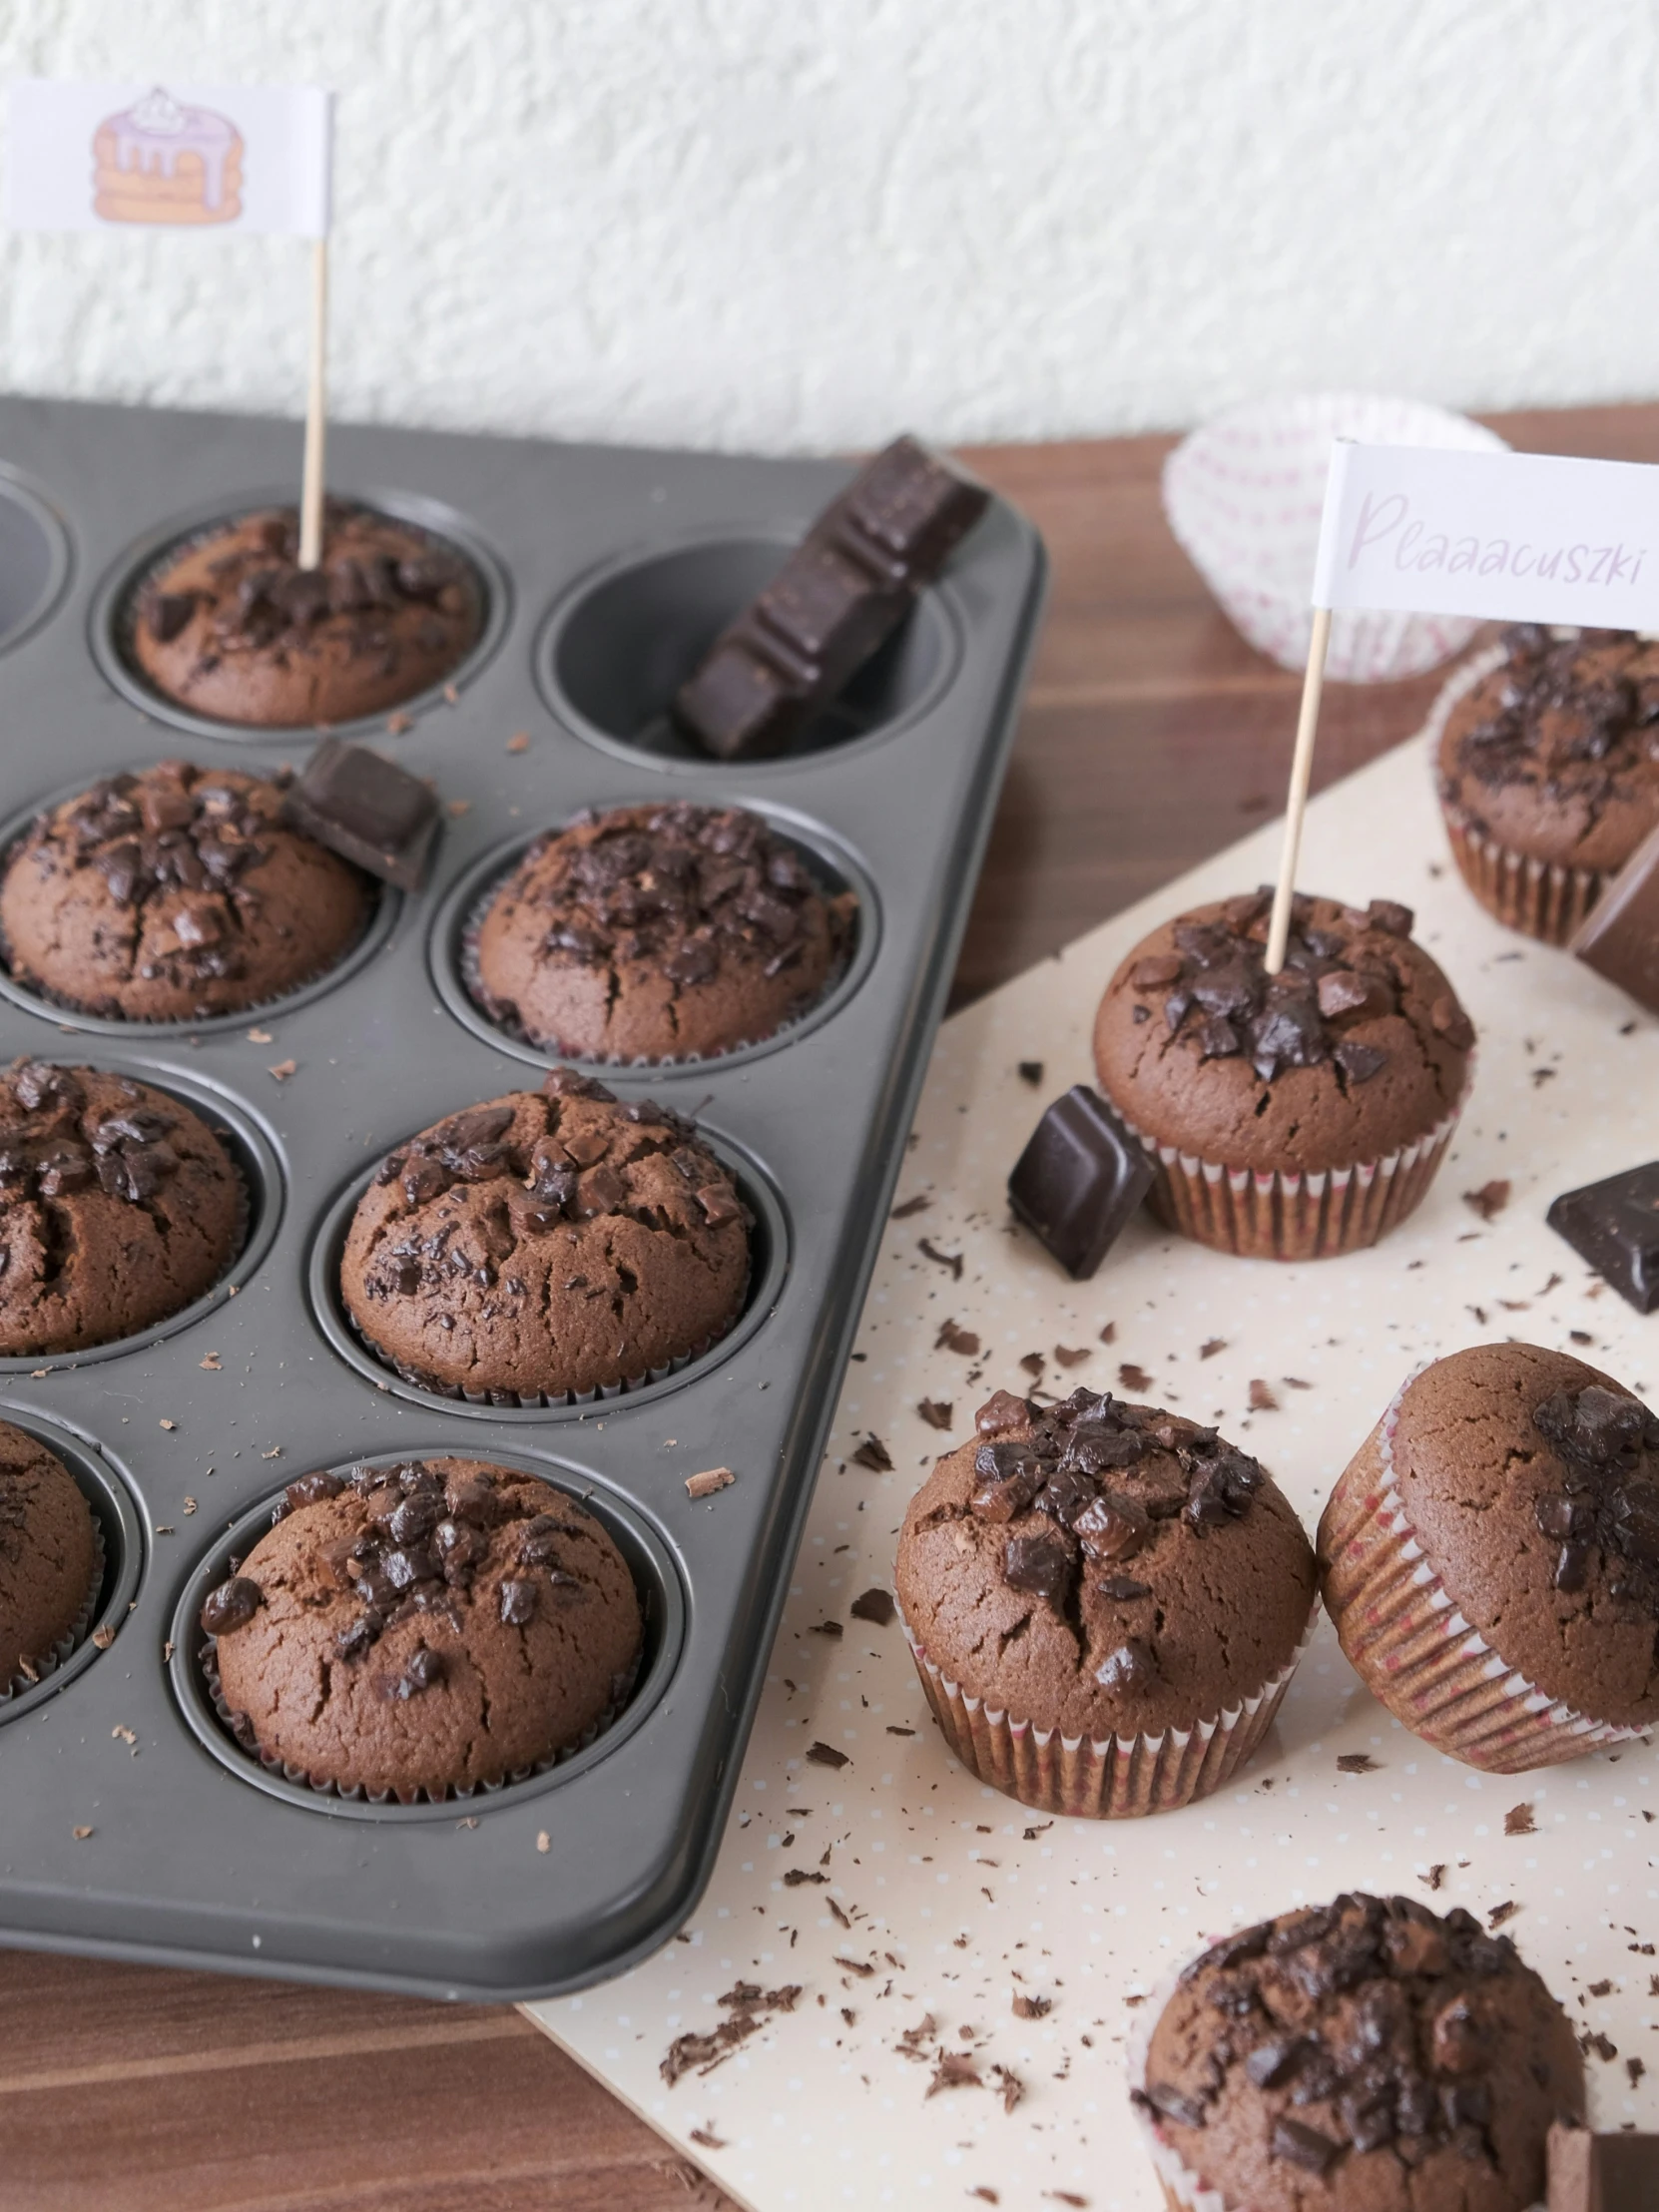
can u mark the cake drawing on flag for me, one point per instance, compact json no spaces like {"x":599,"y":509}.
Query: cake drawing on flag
{"x":159,"y":161}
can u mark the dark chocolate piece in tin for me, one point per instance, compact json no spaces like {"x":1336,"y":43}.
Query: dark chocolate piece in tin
{"x":1079,"y":1180}
{"x":1614,"y":1225}
{"x":843,"y":591}
{"x":366,"y":809}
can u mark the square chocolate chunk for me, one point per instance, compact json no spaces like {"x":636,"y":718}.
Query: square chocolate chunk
{"x":368,"y":809}
{"x":1079,"y":1180}
{"x":1615,"y":1225}
{"x":1619,"y":936}
{"x":1602,"y":2173}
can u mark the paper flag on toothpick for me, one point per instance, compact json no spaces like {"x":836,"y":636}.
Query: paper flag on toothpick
{"x":1515,"y":537}
{"x":209,"y":159}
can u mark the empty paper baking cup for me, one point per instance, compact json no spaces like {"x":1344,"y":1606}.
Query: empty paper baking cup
{"x":1413,"y":1649}
{"x":1118,"y":1778}
{"x":1244,"y":496}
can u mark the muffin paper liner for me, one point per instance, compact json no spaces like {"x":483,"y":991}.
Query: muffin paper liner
{"x":1288,"y":1215}
{"x":1547,"y":900}
{"x":473,"y":984}
{"x":240,"y":1731}
{"x":48,"y":1663}
{"x":1413,"y":1649}
{"x":253,"y":1009}
{"x":1119,"y":1778}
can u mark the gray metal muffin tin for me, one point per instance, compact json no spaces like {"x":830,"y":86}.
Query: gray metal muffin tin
{"x":607,"y":572}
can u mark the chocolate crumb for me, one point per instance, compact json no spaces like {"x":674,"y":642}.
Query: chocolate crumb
{"x":1491,"y":1200}
{"x":826,"y":1755}
{"x":936,"y":1412}
{"x":1519,"y":1821}
{"x":1356,"y":1762}
{"x":874,"y":1453}
{"x":709,"y":1481}
{"x":873,"y":1605}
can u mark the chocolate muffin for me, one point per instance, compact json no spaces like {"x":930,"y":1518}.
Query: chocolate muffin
{"x":50,"y":1559}
{"x":234,"y":628}
{"x":118,"y":1208}
{"x":1104,"y":1601}
{"x":175,"y":895}
{"x":1366,"y":2055}
{"x":1549,"y":772}
{"x":426,"y":1627}
{"x":1293,"y":1116}
{"x":659,"y":933}
{"x":547,"y":1245}
{"x":1490,"y":1557}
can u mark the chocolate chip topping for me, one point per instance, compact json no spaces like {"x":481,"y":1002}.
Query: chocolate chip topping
{"x":1608,"y":1445}
{"x":230,"y":1606}
{"x":59,"y":1147}
{"x":1106,"y":1473}
{"x":1370,"y":2026}
{"x":1573,"y":716}
{"x":1215,"y":994}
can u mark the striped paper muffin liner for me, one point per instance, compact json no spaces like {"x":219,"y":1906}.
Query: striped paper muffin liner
{"x":1285,"y":1214}
{"x":509,"y":1025}
{"x":1183,"y":2191}
{"x":239,"y":1729}
{"x":40,"y":1667}
{"x":1547,"y":900}
{"x":1118,"y":1778}
{"x":551,"y":1401}
{"x":1411,"y":1646}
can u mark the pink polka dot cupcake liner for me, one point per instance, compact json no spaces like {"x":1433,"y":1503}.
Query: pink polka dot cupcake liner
{"x":1119,"y":1778}
{"x":1414,"y":1650}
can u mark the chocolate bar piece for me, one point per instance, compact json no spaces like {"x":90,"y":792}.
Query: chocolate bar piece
{"x":840,"y":595}
{"x":366,"y":809}
{"x":1602,"y":2173}
{"x":1619,"y":936}
{"x":1615,"y":1225}
{"x":1079,"y":1180}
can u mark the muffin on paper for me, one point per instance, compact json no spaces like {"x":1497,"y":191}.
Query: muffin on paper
{"x":1548,"y":773}
{"x":1293,"y":1116}
{"x":1367,"y":2055}
{"x":1490,"y":1558}
{"x":415,"y":1630}
{"x":1104,"y":1602}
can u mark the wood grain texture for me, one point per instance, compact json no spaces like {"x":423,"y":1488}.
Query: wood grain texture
{"x":1152,"y":736}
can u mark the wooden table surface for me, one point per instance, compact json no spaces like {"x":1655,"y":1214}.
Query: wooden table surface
{"x":1152,"y":736}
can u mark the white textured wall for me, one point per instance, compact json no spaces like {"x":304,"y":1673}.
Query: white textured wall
{"x":797,"y":223}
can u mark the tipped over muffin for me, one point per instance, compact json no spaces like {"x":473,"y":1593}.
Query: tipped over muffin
{"x":546,"y":1244}
{"x":231,"y":627}
{"x":1293,"y":1116}
{"x":175,"y":895}
{"x":423,"y":1627}
{"x":659,"y":933}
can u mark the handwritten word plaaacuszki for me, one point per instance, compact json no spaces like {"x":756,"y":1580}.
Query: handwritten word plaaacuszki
{"x":1415,"y":543}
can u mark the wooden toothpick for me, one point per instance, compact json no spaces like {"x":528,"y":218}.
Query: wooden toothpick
{"x":310,"y":490}
{"x":1296,"y":806}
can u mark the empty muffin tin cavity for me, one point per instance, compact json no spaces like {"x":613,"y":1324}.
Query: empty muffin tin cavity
{"x":254,"y":1151}
{"x":115,"y":610}
{"x":662,"y":1604}
{"x":385,"y":906}
{"x":614,"y":653}
{"x":121,"y":1534}
{"x":459,"y":916}
{"x":769,"y":1251}
{"x":34,"y":558}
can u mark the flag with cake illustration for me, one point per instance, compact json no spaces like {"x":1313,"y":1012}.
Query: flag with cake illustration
{"x":211,"y":159}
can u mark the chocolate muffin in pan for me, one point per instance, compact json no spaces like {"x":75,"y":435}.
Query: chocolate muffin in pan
{"x":1490,"y":1557}
{"x":1294,"y":1116}
{"x":118,"y":1208}
{"x":175,"y":895}
{"x":1549,"y":772}
{"x":232,"y":628}
{"x":658,"y":932}
{"x":1104,"y":1601}
{"x":546,"y":1244}
{"x":1366,"y":2055}
{"x":426,"y":1627}
{"x":51,"y":1558}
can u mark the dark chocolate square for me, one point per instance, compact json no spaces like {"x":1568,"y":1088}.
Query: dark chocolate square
{"x":366,"y":809}
{"x":1616,"y":1227}
{"x":1079,"y":1180}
